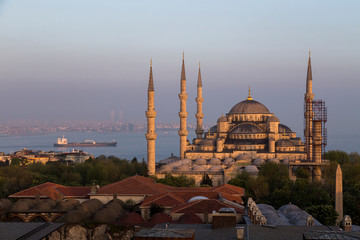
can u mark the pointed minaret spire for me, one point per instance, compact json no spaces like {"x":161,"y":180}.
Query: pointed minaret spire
{"x":309,"y":79}
{"x":199,"y":82}
{"x":151,"y":81}
{"x":309,"y":113}
{"x":199,"y":114}
{"x":150,"y":134}
{"x":249,"y":97}
{"x":183,"y":114}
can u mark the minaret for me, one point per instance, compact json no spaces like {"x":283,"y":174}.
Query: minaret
{"x":309,"y":97}
{"x":339,"y":194}
{"x":199,"y":114}
{"x":151,"y":135}
{"x":183,"y":114}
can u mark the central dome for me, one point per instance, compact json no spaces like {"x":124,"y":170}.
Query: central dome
{"x":249,"y":106}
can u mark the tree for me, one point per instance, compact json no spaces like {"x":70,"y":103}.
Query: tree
{"x":325,"y":214}
{"x":181,"y":181}
{"x":206,"y":181}
{"x":337,"y":156}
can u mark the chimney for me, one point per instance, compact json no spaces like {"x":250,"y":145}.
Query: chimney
{"x":310,"y":221}
{"x":347,"y":223}
{"x":239,"y":233}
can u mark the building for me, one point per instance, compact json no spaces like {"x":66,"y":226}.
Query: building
{"x":249,"y":134}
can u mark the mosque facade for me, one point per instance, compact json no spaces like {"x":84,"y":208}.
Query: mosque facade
{"x":247,"y":136}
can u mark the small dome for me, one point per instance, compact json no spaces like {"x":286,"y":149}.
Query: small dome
{"x":283,"y":128}
{"x":130,"y":218}
{"x":243,"y":156}
{"x":284,"y":143}
{"x":216,"y":168}
{"x":183,"y":168}
{"x":160,"y":218}
{"x":214,"y":161}
{"x":197,"y":198}
{"x":43,"y":206}
{"x":249,"y":106}
{"x":186,"y":161}
{"x":200,"y":161}
{"x":213,"y":129}
{"x":67,"y":204}
{"x":228,"y":161}
{"x":166,"y":167}
{"x":207,"y":142}
{"x":189,"y":218}
{"x":199,"y":168}
{"x":251,"y":169}
{"x":285,"y":161}
{"x":258,"y":161}
{"x":222,"y":119}
{"x":272,"y":119}
{"x":274,"y":160}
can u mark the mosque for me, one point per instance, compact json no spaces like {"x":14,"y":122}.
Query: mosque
{"x":247,"y":136}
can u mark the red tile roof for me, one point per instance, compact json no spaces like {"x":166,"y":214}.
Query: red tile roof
{"x":232,"y":198}
{"x":135,"y":185}
{"x":202,"y":206}
{"x":163,"y":199}
{"x":45,"y":190}
{"x":230,"y":189}
{"x":74,"y":191}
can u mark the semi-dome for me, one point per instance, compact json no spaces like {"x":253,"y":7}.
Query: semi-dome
{"x":249,"y":106}
{"x":214,"y":161}
{"x":246,"y":128}
{"x":284,"y":128}
{"x":166,"y":168}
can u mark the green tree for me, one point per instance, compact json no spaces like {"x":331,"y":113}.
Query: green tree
{"x":325,"y":214}
{"x":181,"y":181}
{"x":337,"y":156}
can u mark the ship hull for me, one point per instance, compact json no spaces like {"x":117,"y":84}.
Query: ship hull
{"x":82,"y":144}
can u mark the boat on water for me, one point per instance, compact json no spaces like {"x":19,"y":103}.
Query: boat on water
{"x":63,"y":142}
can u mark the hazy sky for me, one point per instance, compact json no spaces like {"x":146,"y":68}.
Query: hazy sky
{"x":66,"y":59}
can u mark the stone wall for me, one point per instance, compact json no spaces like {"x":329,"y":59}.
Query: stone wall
{"x":96,"y":232}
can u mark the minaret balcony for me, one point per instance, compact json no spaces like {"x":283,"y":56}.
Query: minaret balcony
{"x":183,"y":132}
{"x":183,"y":114}
{"x":199,"y":99}
{"x":150,"y":114}
{"x":150,"y":136}
{"x":183,"y":96}
{"x":199,"y":115}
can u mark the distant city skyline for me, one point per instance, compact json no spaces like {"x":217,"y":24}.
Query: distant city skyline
{"x":79,"y":60}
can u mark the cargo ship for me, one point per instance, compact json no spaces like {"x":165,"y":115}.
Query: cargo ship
{"x":62,"y":142}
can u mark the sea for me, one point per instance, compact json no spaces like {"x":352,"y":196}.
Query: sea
{"x":133,"y":144}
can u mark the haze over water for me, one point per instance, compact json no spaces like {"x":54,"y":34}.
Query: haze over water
{"x":133,"y":144}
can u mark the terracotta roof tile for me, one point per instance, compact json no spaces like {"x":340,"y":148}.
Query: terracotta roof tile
{"x":45,"y":190}
{"x":135,"y":185}
{"x":163,"y":199}
{"x":232,"y":198}
{"x":74,"y":191}
{"x":230,"y":189}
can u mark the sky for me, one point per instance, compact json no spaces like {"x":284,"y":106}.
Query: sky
{"x":78,"y":60}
